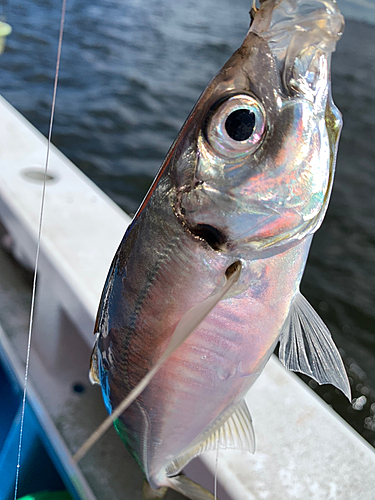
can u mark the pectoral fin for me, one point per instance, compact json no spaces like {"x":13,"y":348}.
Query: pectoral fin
{"x":186,"y":326}
{"x":306,"y":346}
{"x":232,"y":430}
{"x":194,"y":317}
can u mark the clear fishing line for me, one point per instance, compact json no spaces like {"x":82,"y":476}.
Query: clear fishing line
{"x":62,"y":20}
{"x":4,"y":10}
{"x":216,"y":464}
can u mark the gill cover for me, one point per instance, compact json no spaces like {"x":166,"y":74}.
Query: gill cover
{"x":258,"y":169}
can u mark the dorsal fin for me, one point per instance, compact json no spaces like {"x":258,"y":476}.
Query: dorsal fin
{"x":232,"y":430}
{"x":306,"y":346}
{"x":94,"y":371}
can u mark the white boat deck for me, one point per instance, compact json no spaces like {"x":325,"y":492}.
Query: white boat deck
{"x":304,"y":450}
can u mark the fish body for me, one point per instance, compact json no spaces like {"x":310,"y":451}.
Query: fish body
{"x":246,"y":182}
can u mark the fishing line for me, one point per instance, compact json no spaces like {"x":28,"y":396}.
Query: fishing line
{"x":216,"y":463}
{"x":62,"y":20}
{"x":4,"y":10}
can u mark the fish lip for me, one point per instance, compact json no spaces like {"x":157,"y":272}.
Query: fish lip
{"x":274,"y":16}
{"x":296,"y":30}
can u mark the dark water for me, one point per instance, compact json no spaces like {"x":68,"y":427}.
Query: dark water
{"x":131,"y":71}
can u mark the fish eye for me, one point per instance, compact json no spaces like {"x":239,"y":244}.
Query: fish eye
{"x":240,"y":124}
{"x":236,"y":126}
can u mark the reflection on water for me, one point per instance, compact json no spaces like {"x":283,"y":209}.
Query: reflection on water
{"x":131,"y":71}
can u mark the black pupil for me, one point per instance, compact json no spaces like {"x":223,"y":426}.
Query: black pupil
{"x":240,"y":124}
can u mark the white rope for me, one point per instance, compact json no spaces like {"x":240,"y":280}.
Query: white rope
{"x":62,"y":20}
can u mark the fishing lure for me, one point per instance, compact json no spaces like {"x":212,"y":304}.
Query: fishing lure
{"x":206,"y":280}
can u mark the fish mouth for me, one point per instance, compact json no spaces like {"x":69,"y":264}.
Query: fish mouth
{"x":277,"y":21}
{"x":299,"y":35}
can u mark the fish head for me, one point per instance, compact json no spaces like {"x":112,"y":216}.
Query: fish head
{"x":252,"y":167}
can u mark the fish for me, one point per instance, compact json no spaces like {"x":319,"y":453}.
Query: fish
{"x":205,"y":282}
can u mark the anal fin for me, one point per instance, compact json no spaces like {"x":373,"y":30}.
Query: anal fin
{"x":306,"y":346}
{"x":232,"y":430}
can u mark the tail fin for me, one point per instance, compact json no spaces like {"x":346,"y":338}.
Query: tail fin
{"x":189,"y":488}
{"x":150,"y":494}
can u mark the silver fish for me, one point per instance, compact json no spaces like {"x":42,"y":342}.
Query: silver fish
{"x":206,"y":280}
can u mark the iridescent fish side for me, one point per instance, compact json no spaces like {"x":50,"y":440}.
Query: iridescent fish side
{"x":220,"y":243}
